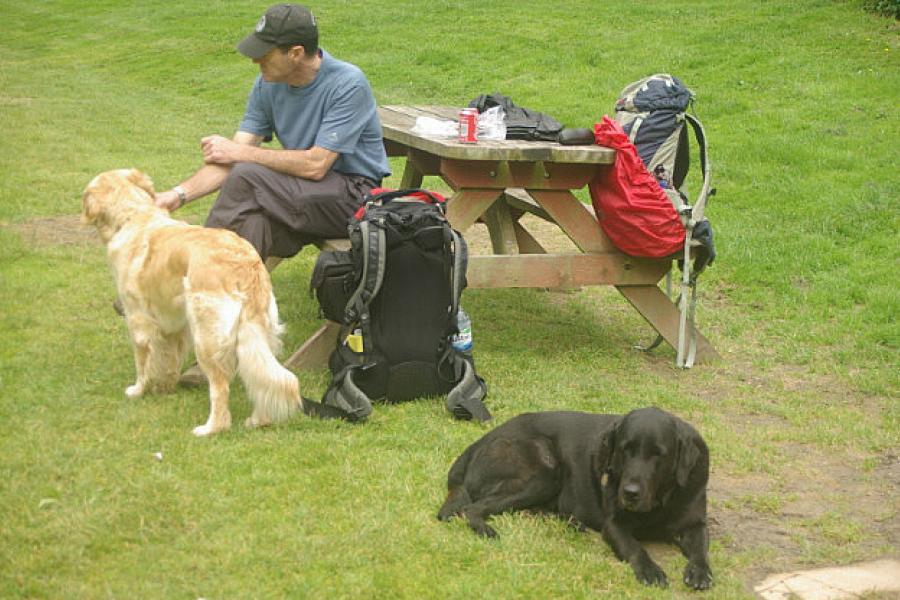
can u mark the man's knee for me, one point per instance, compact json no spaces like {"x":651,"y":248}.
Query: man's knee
{"x":243,"y":175}
{"x":236,"y":198}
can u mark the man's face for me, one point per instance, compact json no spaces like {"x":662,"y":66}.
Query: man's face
{"x":276,"y":65}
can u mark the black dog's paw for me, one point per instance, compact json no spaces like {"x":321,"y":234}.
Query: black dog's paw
{"x":697,"y":576}
{"x":649,"y":573}
{"x":447,"y":512}
{"x":484,"y":530}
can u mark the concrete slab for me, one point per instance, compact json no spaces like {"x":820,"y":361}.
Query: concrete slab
{"x":833,"y":583}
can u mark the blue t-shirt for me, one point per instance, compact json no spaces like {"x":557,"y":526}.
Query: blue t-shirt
{"x":336,"y":111}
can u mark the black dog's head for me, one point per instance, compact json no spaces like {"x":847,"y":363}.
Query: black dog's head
{"x":649,"y":452}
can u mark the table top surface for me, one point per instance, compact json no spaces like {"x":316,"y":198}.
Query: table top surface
{"x":397,"y":123}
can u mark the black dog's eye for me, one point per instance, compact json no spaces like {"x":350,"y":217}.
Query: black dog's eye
{"x":658,"y":451}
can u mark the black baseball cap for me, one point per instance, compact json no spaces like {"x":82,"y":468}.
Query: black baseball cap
{"x":282,"y":25}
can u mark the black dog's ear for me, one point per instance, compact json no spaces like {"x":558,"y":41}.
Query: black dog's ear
{"x":607,"y":455}
{"x":688,"y":453}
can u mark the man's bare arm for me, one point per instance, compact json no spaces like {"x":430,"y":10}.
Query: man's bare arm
{"x":206,"y":179}
{"x":313,"y":163}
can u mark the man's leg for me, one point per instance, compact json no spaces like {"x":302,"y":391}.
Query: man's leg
{"x":280,"y":213}
{"x":238,"y":209}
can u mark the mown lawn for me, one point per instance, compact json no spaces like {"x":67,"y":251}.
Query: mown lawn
{"x":800,"y":102}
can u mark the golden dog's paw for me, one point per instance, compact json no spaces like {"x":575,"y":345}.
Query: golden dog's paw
{"x":134,"y":391}
{"x":204,"y":430}
{"x":251,"y":422}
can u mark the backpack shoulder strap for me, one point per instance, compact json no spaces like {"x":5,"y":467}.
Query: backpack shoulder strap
{"x":342,"y":400}
{"x":466,"y":400}
{"x":699,"y":205}
{"x":373,"y":265}
{"x":458,"y":269}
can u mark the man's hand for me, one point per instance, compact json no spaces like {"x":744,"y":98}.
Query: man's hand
{"x":168,"y":200}
{"x":220,"y":150}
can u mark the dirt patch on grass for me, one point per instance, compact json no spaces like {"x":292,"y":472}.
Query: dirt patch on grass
{"x":66,"y":230}
{"x":819,"y":499}
{"x":812,"y":506}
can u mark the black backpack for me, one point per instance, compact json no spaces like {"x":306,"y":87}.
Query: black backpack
{"x":396,"y":294}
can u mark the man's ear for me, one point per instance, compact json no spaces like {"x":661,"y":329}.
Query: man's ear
{"x":297,"y":52}
{"x":142,"y":180}
{"x":688,"y":453}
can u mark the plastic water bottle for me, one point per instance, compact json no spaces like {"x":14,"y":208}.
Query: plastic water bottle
{"x":462,"y":341}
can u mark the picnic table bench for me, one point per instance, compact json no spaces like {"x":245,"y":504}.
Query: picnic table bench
{"x":496,"y":183}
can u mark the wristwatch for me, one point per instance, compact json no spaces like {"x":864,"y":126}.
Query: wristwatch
{"x":182,"y":194}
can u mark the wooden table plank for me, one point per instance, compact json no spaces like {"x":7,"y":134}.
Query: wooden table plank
{"x":397,"y":121}
{"x":519,"y":199}
{"x":561,"y":271}
{"x":527,"y":242}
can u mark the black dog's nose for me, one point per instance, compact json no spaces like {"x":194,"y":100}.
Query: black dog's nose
{"x":631,"y":491}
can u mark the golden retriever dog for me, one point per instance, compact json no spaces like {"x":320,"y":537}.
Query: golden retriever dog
{"x":181,"y":284}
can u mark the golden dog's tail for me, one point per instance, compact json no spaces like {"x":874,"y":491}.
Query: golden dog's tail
{"x":274,"y":390}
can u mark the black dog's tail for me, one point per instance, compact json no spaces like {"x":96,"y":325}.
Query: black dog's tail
{"x":457,"y":499}
{"x":457,"y":494}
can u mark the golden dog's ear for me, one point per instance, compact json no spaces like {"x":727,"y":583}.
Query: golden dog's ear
{"x":142,"y":180}
{"x":90,"y":208}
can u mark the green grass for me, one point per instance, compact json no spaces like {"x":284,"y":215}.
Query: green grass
{"x":799,"y":100}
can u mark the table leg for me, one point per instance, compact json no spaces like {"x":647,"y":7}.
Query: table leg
{"x":467,"y":205}
{"x":663,"y":316}
{"x":501,"y":226}
{"x":412,"y":177}
{"x":575,"y":219}
{"x":527,"y":243}
{"x":314,"y":352}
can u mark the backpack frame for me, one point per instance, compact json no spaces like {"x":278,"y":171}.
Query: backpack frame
{"x":653,"y":112}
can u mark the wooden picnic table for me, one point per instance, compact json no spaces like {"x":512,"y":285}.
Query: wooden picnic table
{"x":497,"y":182}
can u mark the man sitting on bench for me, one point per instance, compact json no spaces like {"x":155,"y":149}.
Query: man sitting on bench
{"x":324,"y":114}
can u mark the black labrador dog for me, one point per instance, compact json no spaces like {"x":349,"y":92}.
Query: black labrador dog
{"x":638,"y":476}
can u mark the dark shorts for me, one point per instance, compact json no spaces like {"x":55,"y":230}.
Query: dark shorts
{"x":279,"y":213}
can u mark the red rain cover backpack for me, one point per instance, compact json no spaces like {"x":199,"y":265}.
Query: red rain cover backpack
{"x":633,"y":210}
{"x":640,"y":201}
